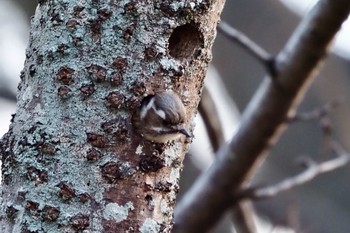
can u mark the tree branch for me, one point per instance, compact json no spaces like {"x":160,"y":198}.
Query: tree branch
{"x":317,"y":113}
{"x":312,"y":170}
{"x":250,"y":46}
{"x":211,"y":119}
{"x":264,"y":120}
{"x":243,"y":217}
{"x":242,"y":213}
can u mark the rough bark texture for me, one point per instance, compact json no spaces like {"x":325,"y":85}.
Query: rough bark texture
{"x":71,"y":160}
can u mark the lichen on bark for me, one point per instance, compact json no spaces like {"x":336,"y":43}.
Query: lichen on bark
{"x":71,"y":155}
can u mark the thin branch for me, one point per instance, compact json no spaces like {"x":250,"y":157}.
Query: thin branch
{"x":254,"y":49}
{"x":317,"y":113}
{"x":211,"y":119}
{"x":7,"y":94}
{"x":264,"y":119}
{"x":242,"y":213}
{"x":322,"y":115}
{"x":313,"y":170}
{"x":243,"y":216}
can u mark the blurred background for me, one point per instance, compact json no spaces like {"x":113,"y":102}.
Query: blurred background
{"x":319,"y":206}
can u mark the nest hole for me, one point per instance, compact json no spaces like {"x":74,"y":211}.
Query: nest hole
{"x":184,"y":41}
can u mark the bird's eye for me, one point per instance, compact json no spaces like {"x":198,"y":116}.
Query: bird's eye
{"x":146,"y":100}
{"x":166,"y":122}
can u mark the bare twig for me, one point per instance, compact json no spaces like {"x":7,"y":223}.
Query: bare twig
{"x":264,"y":119}
{"x":242,"y":213}
{"x":211,"y":119}
{"x":322,"y":115}
{"x":317,"y":113}
{"x":243,"y":216}
{"x":7,"y":94}
{"x":254,"y":49}
{"x":313,"y":169}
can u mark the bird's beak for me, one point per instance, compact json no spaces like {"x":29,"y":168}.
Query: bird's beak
{"x":184,"y":132}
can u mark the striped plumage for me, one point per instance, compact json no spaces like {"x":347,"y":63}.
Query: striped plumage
{"x":161,"y":117}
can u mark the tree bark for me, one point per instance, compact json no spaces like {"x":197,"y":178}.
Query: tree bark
{"x":71,"y":159}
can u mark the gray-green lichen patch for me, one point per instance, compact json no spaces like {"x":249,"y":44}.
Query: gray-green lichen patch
{"x":88,"y":66}
{"x":115,"y":212}
{"x":165,"y":208}
{"x":139,"y":150}
{"x":149,"y":226}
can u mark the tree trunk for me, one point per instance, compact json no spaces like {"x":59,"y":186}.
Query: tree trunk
{"x":71,"y":158}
